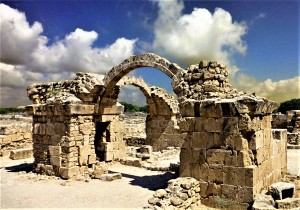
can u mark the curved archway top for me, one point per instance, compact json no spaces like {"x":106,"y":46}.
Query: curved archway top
{"x":138,"y":82}
{"x":138,"y":61}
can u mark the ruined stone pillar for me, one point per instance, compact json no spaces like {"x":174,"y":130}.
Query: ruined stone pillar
{"x":63,"y":138}
{"x":228,"y":143}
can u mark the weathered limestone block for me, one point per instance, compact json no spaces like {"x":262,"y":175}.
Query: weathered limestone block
{"x":257,"y":140}
{"x":282,"y":190}
{"x":214,"y":125}
{"x":21,"y":154}
{"x":245,"y":158}
{"x":229,"y":191}
{"x":216,"y":174}
{"x":69,"y":172}
{"x":217,"y":156}
{"x":54,"y":150}
{"x":60,"y":129}
{"x":237,"y":142}
{"x":92,"y":159}
{"x":202,"y":140}
{"x":86,"y":128}
{"x":262,"y":201}
{"x":55,"y":161}
{"x":185,"y":160}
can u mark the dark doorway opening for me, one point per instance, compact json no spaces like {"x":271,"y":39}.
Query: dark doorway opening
{"x":102,"y":135}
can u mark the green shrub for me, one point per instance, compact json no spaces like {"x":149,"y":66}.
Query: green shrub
{"x":134,"y":108}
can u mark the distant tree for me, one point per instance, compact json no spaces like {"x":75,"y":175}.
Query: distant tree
{"x":293,"y":104}
{"x":144,"y":109}
{"x":10,"y":110}
{"x":134,"y":108}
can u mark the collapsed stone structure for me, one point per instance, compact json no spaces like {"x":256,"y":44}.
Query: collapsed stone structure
{"x":226,"y":135}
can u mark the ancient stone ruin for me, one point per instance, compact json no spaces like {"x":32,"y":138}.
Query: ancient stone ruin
{"x":291,"y":122}
{"x":225,"y":136}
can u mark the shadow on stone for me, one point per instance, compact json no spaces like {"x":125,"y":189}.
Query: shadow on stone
{"x":153,"y":182}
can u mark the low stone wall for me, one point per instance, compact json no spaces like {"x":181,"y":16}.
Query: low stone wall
{"x":15,"y":133}
{"x":134,"y":128}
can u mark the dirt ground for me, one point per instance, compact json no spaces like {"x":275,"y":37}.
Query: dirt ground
{"x":27,"y":190}
{"x":19,"y":189}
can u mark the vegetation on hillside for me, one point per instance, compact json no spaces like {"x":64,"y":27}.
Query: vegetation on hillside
{"x":134,"y":108}
{"x":293,"y":104}
{"x":10,"y":110}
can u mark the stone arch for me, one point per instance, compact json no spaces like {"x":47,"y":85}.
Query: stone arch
{"x":142,"y":85}
{"x":110,"y":80}
{"x":155,"y":96}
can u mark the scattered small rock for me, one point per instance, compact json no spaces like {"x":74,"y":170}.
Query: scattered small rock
{"x":111,"y":177}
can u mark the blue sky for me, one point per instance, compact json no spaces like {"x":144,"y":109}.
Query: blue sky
{"x":263,"y":56}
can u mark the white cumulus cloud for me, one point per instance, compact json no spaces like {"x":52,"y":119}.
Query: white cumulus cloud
{"x":188,"y":38}
{"x":75,"y":53}
{"x":26,"y":56}
{"x":279,"y":91}
{"x":133,"y":95}
{"x":18,"y":39}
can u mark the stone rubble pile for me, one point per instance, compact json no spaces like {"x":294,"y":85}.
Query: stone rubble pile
{"x":181,"y":193}
{"x":81,"y":88}
{"x":206,"y":80}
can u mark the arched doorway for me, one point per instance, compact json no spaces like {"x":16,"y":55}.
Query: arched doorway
{"x":161,"y":123}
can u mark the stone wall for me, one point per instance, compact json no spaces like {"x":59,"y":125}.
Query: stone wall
{"x":163,"y":132}
{"x":15,"y":133}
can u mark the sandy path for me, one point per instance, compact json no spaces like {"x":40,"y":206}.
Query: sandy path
{"x":293,"y":161}
{"x":19,"y":190}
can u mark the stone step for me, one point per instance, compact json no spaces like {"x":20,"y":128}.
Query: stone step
{"x":21,"y":154}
